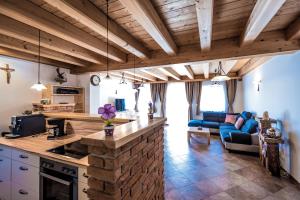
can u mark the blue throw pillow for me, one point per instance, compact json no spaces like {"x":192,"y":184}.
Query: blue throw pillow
{"x":250,"y":126}
{"x":246,"y":115}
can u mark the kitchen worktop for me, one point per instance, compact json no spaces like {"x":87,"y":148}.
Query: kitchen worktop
{"x":128,"y":127}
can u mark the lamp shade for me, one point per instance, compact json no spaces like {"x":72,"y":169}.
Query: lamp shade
{"x":38,"y":86}
{"x":220,"y":78}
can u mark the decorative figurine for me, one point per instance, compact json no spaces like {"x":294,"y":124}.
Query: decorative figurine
{"x":61,"y":77}
{"x":8,"y":72}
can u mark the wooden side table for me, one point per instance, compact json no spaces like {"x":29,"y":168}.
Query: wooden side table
{"x":198,"y":132}
{"x":269,"y":153}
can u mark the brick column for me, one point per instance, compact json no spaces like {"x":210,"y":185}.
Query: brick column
{"x":132,"y":171}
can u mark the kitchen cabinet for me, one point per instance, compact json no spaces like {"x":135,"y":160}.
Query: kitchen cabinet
{"x":82,"y":184}
{"x":5,"y":173}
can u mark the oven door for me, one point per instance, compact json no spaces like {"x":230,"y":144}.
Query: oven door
{"x":57,"y":186}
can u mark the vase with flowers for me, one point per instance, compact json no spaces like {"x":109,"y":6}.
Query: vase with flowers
{"x":108,"y":113}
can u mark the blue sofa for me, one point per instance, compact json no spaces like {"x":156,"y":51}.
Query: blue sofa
{"x":243,"y":139}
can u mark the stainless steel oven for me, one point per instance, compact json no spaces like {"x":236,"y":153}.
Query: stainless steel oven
{"x":58,"y":181}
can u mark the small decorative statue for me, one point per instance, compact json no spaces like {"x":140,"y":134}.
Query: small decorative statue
{"x":8,"y":72}
{"x":61,"y":77}
{"x":150,"y":111}
{"x":108,"y":112}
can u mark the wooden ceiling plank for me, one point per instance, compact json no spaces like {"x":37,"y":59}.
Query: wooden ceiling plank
{"x":204,"y":10}
{"x":189,"y":72}
{"x":261,"y":15}
{"x":269,"y":43}
{"x":148,"y":18}
{"x":154,"y":73}
{"x":18,"y":30}
{"x":228,"y":65}
{"x":31,"y":14}
{"x":293,"y":31}
{"x":33,"y":58}
{"x":16,"y":44}
{"x":92,"y":17}
{"x":140,"y":74}
{"x":252,"y":64}
{"x":169,"y":72}
{"x":206,"y":67}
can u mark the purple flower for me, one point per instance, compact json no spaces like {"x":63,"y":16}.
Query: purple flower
{"x":107,"y":111}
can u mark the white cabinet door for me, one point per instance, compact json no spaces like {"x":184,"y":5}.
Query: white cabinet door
{"x":82,"y":175}
{"x":20,"y":192}
{"x":5,"y":151}
{"x":25,"y":175}
{"x":25,"y":157}
{"x":5,"y":169}
{"x":82,"y":191}
{"x":5,"y":190}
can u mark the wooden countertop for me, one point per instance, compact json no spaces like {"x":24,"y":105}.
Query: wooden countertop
{"x":126,"y":131}
{"x":39,"y":145}
{"x":123,"y":133}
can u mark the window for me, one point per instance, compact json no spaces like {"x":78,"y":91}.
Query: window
{"x":212,"y":97}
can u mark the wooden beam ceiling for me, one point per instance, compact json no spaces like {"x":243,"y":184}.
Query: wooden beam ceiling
{"x":126,"y":76}
{"x":18,"y":30}
{"x":140,"y":74}
{"x":293,"y":31}
{"x":39,"y":18}
{"x":228,"y":65}
{"x":267,"y":44}
{"x":168,"y":71}
{"x":263,"y":12}
{"x":189,"y":72}
{"x":27,"y":47}
{"x":33,"y":58}
{"x":204,"y":9}
{"x":155,"y":73}
{"x":252,"y":64}
{"x":206,"y":67}
{"x":146,"y":15}
{"x":92,"y":17}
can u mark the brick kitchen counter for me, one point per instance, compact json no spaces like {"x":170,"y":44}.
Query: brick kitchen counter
{"x":128,"y":165}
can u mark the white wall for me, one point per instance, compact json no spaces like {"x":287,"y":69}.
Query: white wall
{"x":279,"y":95}
{"x":17,"y":96}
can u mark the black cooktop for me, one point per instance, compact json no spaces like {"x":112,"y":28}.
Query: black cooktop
{"x":74,"y":150}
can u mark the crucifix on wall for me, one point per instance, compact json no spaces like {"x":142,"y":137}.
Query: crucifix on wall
{"x":8,"y":72}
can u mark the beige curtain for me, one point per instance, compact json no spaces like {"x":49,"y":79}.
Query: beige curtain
{"x":162,"y":91}
{"x":153,"y":89}
{"x":231,"y":87}
{"x":193,"y":96}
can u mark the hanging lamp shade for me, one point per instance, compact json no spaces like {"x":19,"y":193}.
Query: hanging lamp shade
{"x":220,"y":74}
{"x":39,"y":86}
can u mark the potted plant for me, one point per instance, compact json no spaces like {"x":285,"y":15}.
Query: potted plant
{"x":108,"y":112}
{"x":150,"y":111}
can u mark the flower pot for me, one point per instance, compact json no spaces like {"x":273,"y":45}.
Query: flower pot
{"x":109,"y":130}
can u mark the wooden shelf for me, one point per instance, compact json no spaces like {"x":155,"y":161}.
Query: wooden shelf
{"x":66,"y":94}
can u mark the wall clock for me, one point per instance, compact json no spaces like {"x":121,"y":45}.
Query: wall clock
{"x":95,"y":80}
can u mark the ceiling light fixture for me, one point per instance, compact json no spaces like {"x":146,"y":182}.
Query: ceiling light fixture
{"x":39,"y":86}
{"x":123,"y":80}
{"x":107,"y":61}
{"x":220,"y":74}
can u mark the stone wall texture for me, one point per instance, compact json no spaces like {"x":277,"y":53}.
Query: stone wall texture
{"x":133,"y":171}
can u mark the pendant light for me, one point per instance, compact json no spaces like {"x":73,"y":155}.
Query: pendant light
{"x":220,"y":74}
{"x":39,"y":86}
{"x":123,"y":80}
{"x":107,"y":61}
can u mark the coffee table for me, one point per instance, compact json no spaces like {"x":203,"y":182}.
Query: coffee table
{"x":198,"y":132}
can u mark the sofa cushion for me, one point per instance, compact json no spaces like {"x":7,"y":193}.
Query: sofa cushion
{"x":227,"y":126}
{"x":224,"y":133}
{"x":195,"y":123}
{"x":240,"y":138}
{"x":230,"y":119}
{"x":246,"y":115}
{"x":214,"y":116}
{"x":250,"y":126}
{"x":210,"y":124}
{"x":239,"y":123}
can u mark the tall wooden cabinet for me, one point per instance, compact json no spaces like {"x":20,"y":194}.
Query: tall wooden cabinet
{"x":56,"y":98}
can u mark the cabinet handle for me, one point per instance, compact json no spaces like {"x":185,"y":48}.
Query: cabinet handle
{"x":23,"y":192}
{"x":84,"y":190}
{"x":1,"y":181}
{"x":23,"y":168}
{"x":1,"y":149}
{"x":1,"y":160}
{"x":85,"y":175}
{"x":23,"y":156}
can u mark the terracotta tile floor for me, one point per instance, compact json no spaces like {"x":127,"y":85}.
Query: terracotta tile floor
{"x":206,"y":172}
